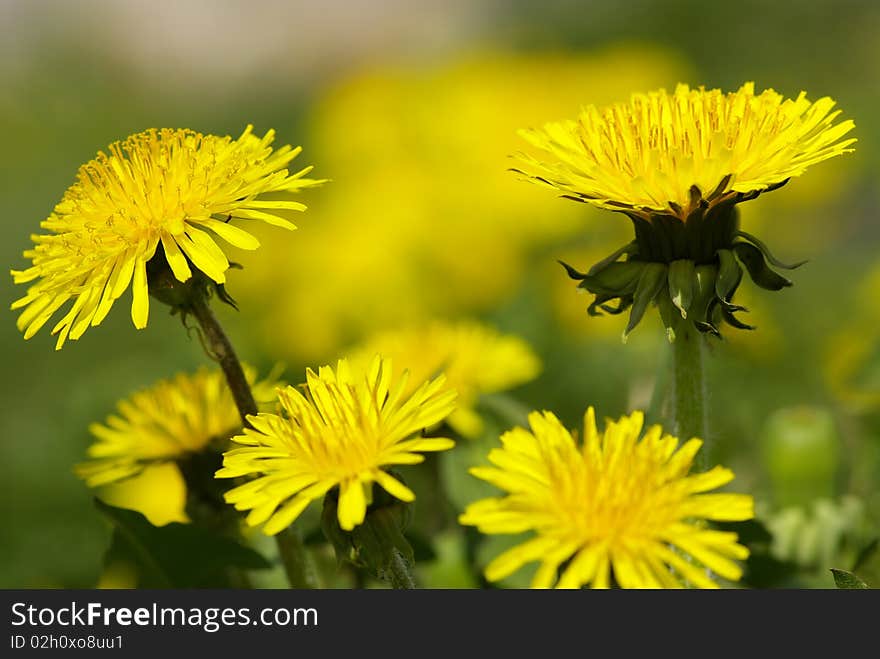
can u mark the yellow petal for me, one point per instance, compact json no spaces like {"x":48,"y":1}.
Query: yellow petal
{"x":230,"y":233}
{"x":140,"y":306}
{"x":352,"y":505}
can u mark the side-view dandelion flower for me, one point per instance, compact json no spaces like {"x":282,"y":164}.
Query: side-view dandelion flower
{"x":475,"y":358}
{"x":616,"y":509}
{"x":141,"y":453}
{"x":342,"y":430}
{"x":677,"y":165}
{"x":177,"y":188}
{"x":167,"y":422}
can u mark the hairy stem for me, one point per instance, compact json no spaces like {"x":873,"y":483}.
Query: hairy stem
{"x":221,"y":350}
{"x":399,"y":575}
{"x":295,"y":558}
{"x":300,"y":571}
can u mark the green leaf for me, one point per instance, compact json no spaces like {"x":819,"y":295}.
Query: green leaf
{"x":847,"y":580}
{"x":177,"y":555}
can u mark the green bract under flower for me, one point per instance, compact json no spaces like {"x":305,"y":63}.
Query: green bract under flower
{"x":689,"y":268}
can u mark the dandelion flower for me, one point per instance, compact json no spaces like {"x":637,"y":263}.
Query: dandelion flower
{"x":678,"y":164}
{"x":475,"y":358}
{"x":615,"y":509}
{"x":649,"y":153}
{"x":177,"y":188}
{"x":344,"y":428}
{"x":167,"y":422}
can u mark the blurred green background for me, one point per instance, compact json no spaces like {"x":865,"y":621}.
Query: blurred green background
{"x":411,"y":109}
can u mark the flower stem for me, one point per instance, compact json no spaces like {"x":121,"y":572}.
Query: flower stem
{"x":297,"y":564}
{"x":300,"y":571}
{"x":221,"y":350}
{"x":399,"y":575}
{"x":688,"y":386}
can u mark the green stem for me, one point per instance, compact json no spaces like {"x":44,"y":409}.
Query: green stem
{"x":222,"y":351}
{"x":399,"y":575}
{"x":688,"y":384}
{"x":300,"y":571}
{"x":297,"y":564}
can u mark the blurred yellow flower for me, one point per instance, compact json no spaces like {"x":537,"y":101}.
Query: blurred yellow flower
{"x":175,"y":187}
{"x":168,"y":421}
{"x":616,"y":506}
{"x":648,"y":154}
{"x":133,"y":461}
{"x":434,"y":202}
{"x":341,"y":432}
{"x":158,"y":493}
{"x":475,"y":358}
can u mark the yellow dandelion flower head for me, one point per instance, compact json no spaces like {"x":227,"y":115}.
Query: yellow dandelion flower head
{"x":341,"y":430}
{"x":614,"y":506}
{"x":175,"y":187}
{"x":475,"y":358}
{"x":664,"y":151}
{"x":166,"y":422}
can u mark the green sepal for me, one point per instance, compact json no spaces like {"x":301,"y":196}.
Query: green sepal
{"x":164,"y":286}
{"x":681,"y":284}
{"x":729,"y":306}
{"x":339,"y":539}
{"x":224,"y":296}
{"x":373,"y":543}
{"x":733,"y":321}
{"x":598,"y":304}
{"x":624,"y":304}
{"x":704,"y":280}
{"x":705,"y":299}
{"x":629,"y":248}
{"x":708,"y":328}
{"x":767,"y":254}
{"x":752,"y":258}
{"x":668,"y":315}
{"x":574,"y":274}
{"x":651,"y":281}
{"x":615,"y":279}
{"x":729,"y":274}
{"x":385,"y":526}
